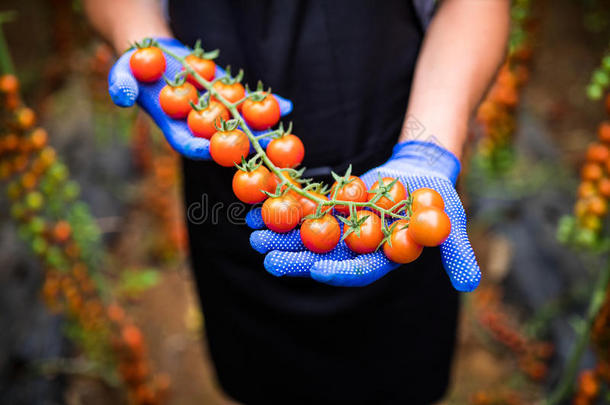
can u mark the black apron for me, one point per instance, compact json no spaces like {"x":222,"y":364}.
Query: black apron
{"x":347,"y":65}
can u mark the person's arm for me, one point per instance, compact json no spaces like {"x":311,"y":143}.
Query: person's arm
{"x":122,"y":22}
{"x":463,"y":47}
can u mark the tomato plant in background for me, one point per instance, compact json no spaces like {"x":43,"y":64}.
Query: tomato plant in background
{"x":64,"y":237}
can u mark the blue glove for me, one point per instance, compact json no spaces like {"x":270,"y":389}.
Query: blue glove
{"x":125,"y":90}
{"x":418,"y":164}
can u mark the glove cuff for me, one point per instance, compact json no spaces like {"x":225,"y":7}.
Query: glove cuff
{"x":430,"y":157}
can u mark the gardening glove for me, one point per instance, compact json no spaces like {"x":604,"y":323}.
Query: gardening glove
{"x":125,"y":90}
{"x":416,"y":164}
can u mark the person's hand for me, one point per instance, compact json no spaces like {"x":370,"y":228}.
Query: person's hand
{"x":416,"y":164}
{"x":125,"y":90}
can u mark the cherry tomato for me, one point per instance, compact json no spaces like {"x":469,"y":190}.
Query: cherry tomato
{"x":308,"y":206}
{"x":604,"y":187}
{"x":597,"y":205}
{"x":355,"y":191}
{"x":397,"y":192}
{"x":426,"y":197}
{"x":370,"y":234}
{"x":287,"y":151}
{"x":9,"y":84}
{"x":591,"y":172}
{"x":403,"y":248}
{"x":587,"y":189}
{"x":580,"y":208}
{"x":176,"y":101}
{"x":598,"y":153}
{"x":206,"y":68}
{"x":228,"y":147}
{"x":281,"y":214}
{"x":203,"y":123}
{"x":261,"y":114}
{"x":26,"y":118}
{"x":603,"y":132}
{"x":249,"y":186}
{"x":232,"y":92}
{"x":429,"y":226}
{"x":147,"y":64}
{"x":321,"y":235}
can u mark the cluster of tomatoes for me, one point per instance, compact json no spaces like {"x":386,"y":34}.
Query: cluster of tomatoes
{"x":288,"y":201}
{"x":600,"y":80}
{"x":588,"y":388}
{"x":41,"y":194}
{"x":496,"y":113}
{"x":590,"y":381}
{"x":129,"y":346}
{"x":591,"y":206}
{"x":532,"y":355}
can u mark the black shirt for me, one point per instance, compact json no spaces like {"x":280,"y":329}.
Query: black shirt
{"x":347,"y":65}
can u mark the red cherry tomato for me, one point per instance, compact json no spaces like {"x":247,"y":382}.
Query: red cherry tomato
{"x":426,"y":197}
{"x":203,"y":123}
{"x":228,"y":147}
{"x":232,"y":92}
{"x":206,"y":68}
{"x":370,"y":234}
{"x":261,"y":114}
{"x":397,"y":193}
{"x":429,"y":226}
{"x":309,"y":207}
{"x":321,"y":235}
{"x":147,"y":64}
{"x":249,"y":186}
{"x":355,"y":191}
{"x":287,"y":151}
{"x":597,"y":152}
{"x":176,"y":101}
{"x":402,"y":248}
{"x":281,"y":214}
{"x":591,"y":172}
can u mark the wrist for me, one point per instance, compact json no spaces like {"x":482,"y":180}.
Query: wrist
{"x":450,"y":131}
{"x":122,"y":38}
{"x":428,"y":157}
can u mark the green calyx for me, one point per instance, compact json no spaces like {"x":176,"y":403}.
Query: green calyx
{"x":383,"y":190}
{"x":260,"y":94}
{"x":228,"y":79}
{"x":249,"y":165}
{"x":203,"y":102}
{"x":200,"y":53}
{"x":280,"y":132}
{"x":144,"y":43}
{"x":178,"y":80}
{"x":342,"y":181}
{"x":316,"y":187}
{"x":226,"y":126}
{"x":353,"y":223}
